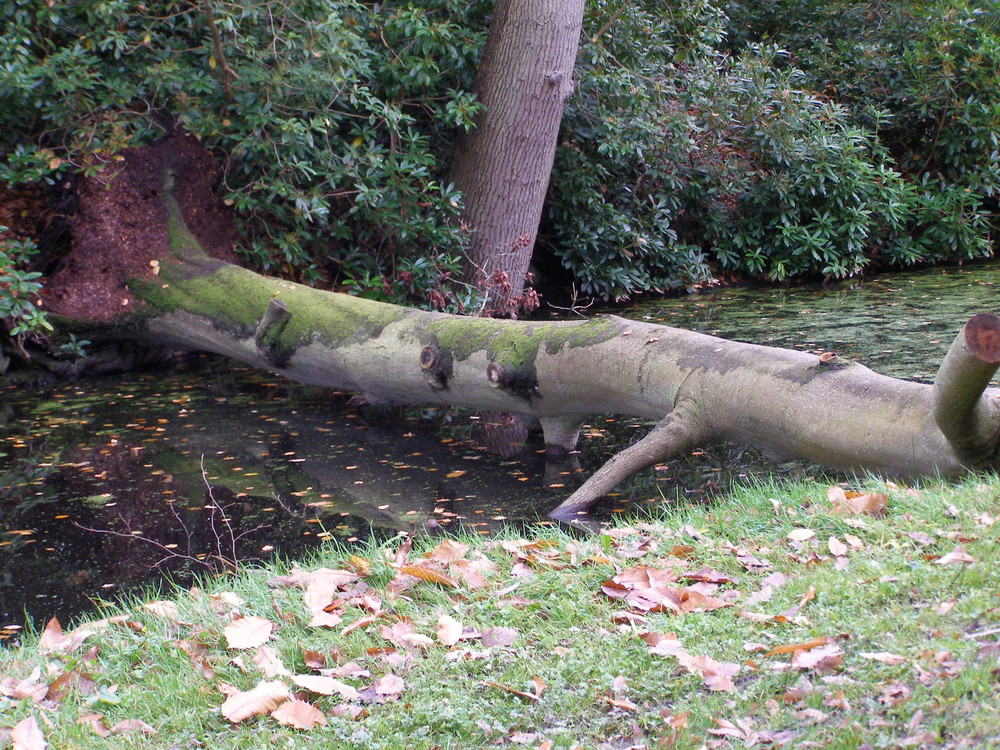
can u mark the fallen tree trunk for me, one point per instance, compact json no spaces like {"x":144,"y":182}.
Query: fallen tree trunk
{"x":699,"y":388}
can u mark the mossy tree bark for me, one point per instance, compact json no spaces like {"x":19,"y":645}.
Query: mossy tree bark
{"x":699,"y":388}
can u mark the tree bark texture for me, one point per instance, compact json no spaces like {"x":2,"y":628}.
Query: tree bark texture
{"x":698,"y":388}
{"x":502,"y":165}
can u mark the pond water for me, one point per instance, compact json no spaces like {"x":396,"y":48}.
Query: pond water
{"x":110,"y":483}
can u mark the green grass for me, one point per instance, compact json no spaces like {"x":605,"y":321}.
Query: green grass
{"x":893,"y":596}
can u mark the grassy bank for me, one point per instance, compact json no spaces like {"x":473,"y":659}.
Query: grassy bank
{"x":772,"y":616}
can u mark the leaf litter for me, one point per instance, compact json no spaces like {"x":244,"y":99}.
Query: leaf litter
{"x":655,"y":576}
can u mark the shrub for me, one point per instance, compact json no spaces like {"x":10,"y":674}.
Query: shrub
{"x":680,"y":160}
{"x":330,"y":116}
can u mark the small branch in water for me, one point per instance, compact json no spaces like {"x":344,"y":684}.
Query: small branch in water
{"x":225,"y":538}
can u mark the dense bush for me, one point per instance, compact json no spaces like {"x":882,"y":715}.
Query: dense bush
{"x":331,"y":116}
{"x":925,"y":77}
{"x":710,"y":137}
{"x":684,"y":157}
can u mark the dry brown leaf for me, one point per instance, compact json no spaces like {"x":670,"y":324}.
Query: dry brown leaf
{"x":298,"y":714}
{"x":405,"y":636}
{"x":198,"y":653}
{"x":30,"y":687}
{"x":262,"y":699}
{"x":661,"y":645}
{"x":717,"y":675}
{"x":325,"y":620}
{"x":837,"y":700}
{"x":447,"y":552}
{"x":248,"y":632}
{"x":622,"y":703}
{"x":956,"y":556}
{"x":361,"y":622}
{"x":164,"y":610}
{"x":837,"y":548}
{"x":430,"y":575}
{"x":893,"y":693}
{"x":498,"y":637}
{"x":53,"y":639}
{"x":96,"y":723}
{"x":132,"y":725}
{"x":801,"y":535}
{"x":883,"y":656}
{"x":313,"y":659}
{"x":793,"y":648}
{"x":945,"y":607}
{"x":325,"y":686}
{"x":267,"y":659}
{"x":27,"y":735}
{"x":389,"y":684}
{"x":538,"y":685}
{"x":855,"y":503}
{"x":822,"y":659}
{"x":448,"y":630}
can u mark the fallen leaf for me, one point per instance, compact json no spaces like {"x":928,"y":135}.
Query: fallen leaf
{"x":448,"y":551}
{"x":855,"y":503}
{"x":661,"y":645}
{"x":498,"y":637}
{"x":30,"y":687}
{"x":389,"y":684}
{"x":822,"y":659}
{"x":405,"y":636}
{"x":164,"y":610}
{"x":248,"y":632}
{"x":801,"y":535}
{"x":198,"y":654}
{"x":837,"y":548}
{"x":267,"y":659}
{"x":262,"y":699}
{"x":622,"y":703}
{"x":793,"y":648}
{"x":27,"y":735}
{"x":956,"y":556}
{"x":96,"y":723}
{"x":298,"y":714}
{"x":430,"y":575}
{"x":811,"y":716}
{"x":945,"y":607}
{"x":893,"y":693}
{"x":448,"y":630}
{"x":717,"y":675}
{"x":132,"y":725}
{"x":53,"y":640}
{"x":325,"y":686}
{"x":883,"y":656}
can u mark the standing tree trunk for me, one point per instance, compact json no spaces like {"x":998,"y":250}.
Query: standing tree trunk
{"x":503,"y":165}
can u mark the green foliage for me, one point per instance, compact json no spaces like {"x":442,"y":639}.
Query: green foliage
{"x":769,"y":139}
{"x":330,"y":116}
{"x":694,"y":154}
{"x":19,"y":312}
{"x":926,"y":78}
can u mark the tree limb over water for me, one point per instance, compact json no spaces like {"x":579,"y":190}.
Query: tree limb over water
{"x":699,"y":388}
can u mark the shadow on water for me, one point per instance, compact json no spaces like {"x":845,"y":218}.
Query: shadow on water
{"x":113,"y":483}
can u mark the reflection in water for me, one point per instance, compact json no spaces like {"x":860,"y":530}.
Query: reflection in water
{"x":176,"y":474}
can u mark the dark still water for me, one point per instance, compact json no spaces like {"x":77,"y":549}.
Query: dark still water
{"x":111,"y":483}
